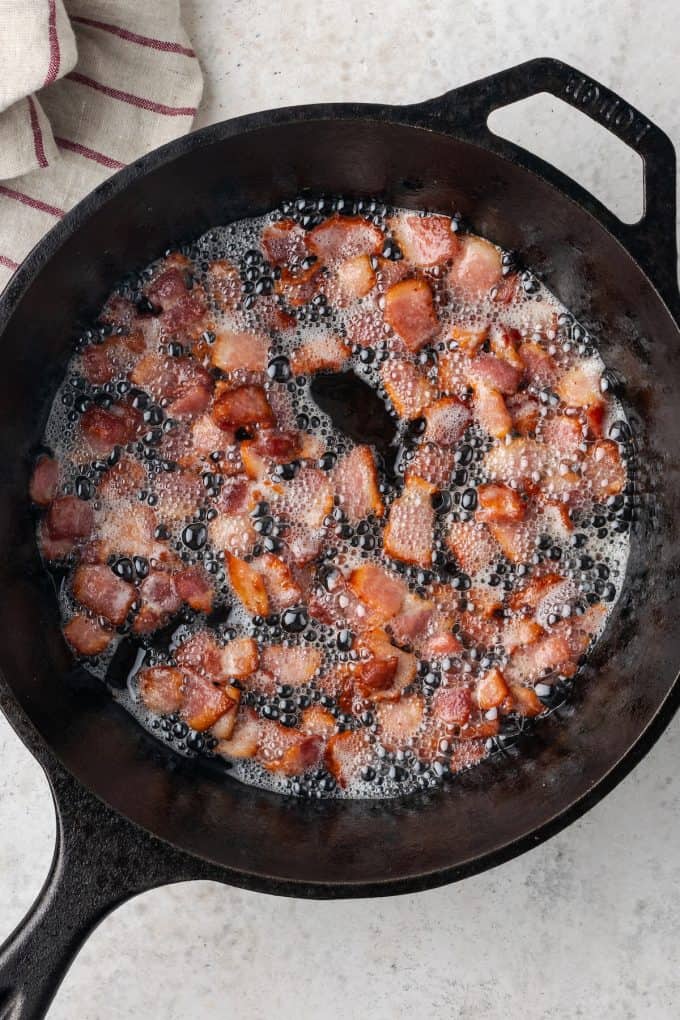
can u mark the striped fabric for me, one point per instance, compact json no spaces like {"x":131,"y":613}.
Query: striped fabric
{"x":85,"y":88}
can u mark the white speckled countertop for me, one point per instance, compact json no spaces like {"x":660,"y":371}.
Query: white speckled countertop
{"x":588,"y":924}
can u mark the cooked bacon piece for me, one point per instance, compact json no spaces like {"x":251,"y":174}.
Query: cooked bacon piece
{"x":407,"y":386}
{"x":243,"y":407}
{"x":160,"y":601}
{"x":389,"y":272}
{"x":245,"y":738}
{"x":308,"y":498}
{"x":233,"y":534}
{"x":345,"y":237}
{"x":178,"y":493}
{"x":298,"y":286}
{"x":124,"y":479}
{"x":234,"y":351}
{"x":169,"y":285}
{"x":381,"y":649}
{"x":86,"y":636}
{"x":491,"y":411}
{"x":44,"y":481}
{"x":580,"y":385}
{"x":346,"y":754}
{"x":555,"y":518}
{"x":127,"y":529}
{"x":477,"y":268}
{"x":410,"y":625}
{"x":452,"y":705}
{"x":518,"y":460}
{"x":564,"y":434}
{"x":281,"y":587}
{"x":106,"y":427}
{"x":480,"y":619}
{"x":248,"y":584}
{"x":270,"y":446}
{"x":525,"y":701}
{"x":399,"y":721}
{"x":468,"y":339}
{"x":409,"y":531}
{"x":491,"y":690}
{"x":491,"y":372}
{"x":294,"y":664}
{"x":472,"y":545}
{"x":186,"y":385}
{"x":317,"y":720}
{"x":239,"y":658}
{"x":478,"y":731}
{"x":534,"y":590}
{"x":433,"y":464}
{"x":549,"y":654}
{"x":160,"y":688}
{"x":381,"y":591}
{"x":441,"y":644}
{"x":579,"y":631}
{"x":447,"y":419}
{"x":425,"y":240}
{"x":409,"y":310}
{"x":520,"y":632}
{"x":69,"y":518}
{"x":224,"y":284}
{"x":595,"y":415}
{"x":355,"y":479}
{"x":375,"y":674}
{"x":498,"y":502}
{"x":224,"y":726}
{"x":321,"y":354}
{"x":517,"y":539}
{"x":304,"y":544}
{"x":195,"y":588}
{"x":118,"y":311}
{"x":98,"y":589}
{"x":283,"y":241}
{"x":355,"y":278}
{"x":540,"y":366}
{"x":112,"y":358}
{"x":524,"y":412}
{"x":295,"y":752}
{"x":504,"y":342}
{"x":204,"y":702}
{"x":603,"y":469}
{"x":204,"y":438}
{"x":201,"y":654}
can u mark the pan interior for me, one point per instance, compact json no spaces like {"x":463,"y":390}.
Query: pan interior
{"x":226,"y":176}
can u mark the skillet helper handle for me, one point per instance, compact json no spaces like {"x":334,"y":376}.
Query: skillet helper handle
{"x":652,"y":240}
{"x":100,"y":860}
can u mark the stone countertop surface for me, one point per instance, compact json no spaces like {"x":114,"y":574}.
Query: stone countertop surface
{"x":586,"y":925}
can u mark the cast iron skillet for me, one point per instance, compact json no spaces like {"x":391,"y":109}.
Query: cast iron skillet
{"x":131,"y":815}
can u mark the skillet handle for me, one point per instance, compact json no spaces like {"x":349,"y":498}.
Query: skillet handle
{"x":652,"y":240}
{"x":100,"y":860}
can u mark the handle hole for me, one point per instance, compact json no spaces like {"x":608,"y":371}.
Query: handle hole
{"x":579,"y":147}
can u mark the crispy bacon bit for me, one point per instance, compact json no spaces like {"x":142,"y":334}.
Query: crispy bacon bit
{"x":194,"y":588}
{"x":491,"y":411}
{"x":269,"y":447}
{"x":441,"y":645}
{"x":283,"y":241}
{"x":294,"y":665}
{"x":595,"y":415}
{"x":86,"y":636}
{"x":233,"y":534}
{"x":539,"y":365}
{"x":355,"y":479}
{"x":375,"y":674}
{"x":550,"y":654}
{"x":378,"y":644}
{"x":317,"y":720}
{"x":447,"y":419}
{"x":477,"y":268}
{"x":239,"y":658}
{"x":407,"y":386}
{"x":106,"y":427}
{"x":409,"y":310}
{"x":245,"y":738}
{"x":526,"y":701}
{"x":245,"y":352}
{"x":472,"y":545}
{"x":344,"y":237}
{"x":298,"y":286}
{"x":98,"y":589}
{"x":243,"y":407}
{"x":516,"y":538}
{"x":409,"y":531}
{"x":492,"y":372}
{"x":433,"y":464}
{"x":468,"y":340}
{"x":321,"y":354}
{"x":604,"y":470}
{"x":399,"y":721}
{"x":160,"y":601}
{"x":44,"y":481}
{"x":452,"y":705}
{"x":224,"y":284}
{"x":161,"y":688}
{"x":425,"y":240}
{"x":201,"y":654}
{"x":170,"y":285}
{"x":412,"y":621}
{"x":499,"y":502}
{"x":308,"y":497}
{"x":375,"y":587}
{"x":282,"y":590}
{"x":580,"y":386}
{"x":519,"y":459}
{"x":504,"y":342}
{"x":69,"y":518}
{"x":524,"y":411}
{"x":564,"y":434}
{"x":248,"y":584}
{"x":203,"y":702}
{"x":491,"y":690}
{"x":113,"y":357}
{"x":520,"y":632}
{"x":355,"y":278}
{"x":346,"y":754}
{"x":124,"y":479}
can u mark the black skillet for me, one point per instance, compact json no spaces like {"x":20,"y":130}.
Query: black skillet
{"x":131,"y":815}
